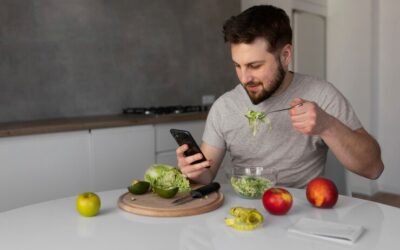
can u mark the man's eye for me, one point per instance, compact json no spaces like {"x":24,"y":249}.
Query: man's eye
{"x":255,"y":66}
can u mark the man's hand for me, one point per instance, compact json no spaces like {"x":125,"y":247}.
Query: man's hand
{"x":309,"y":118}
{"x":184,"y":163}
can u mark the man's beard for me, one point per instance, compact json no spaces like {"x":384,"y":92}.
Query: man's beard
{"x":264,"y":94}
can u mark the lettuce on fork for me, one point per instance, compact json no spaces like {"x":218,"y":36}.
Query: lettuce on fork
{"x":165,"y":177}
{"x":255,"y":119}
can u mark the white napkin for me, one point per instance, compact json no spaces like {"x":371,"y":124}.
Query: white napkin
{"x":328,"y":230}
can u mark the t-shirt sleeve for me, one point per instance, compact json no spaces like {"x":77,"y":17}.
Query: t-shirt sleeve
{"x":335,"y":104}
{"x":212,"y":133}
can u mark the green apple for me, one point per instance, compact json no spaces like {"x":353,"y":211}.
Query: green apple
{"x":88,"y":204}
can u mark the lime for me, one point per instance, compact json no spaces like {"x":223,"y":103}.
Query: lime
{"x":166,"y":193}
{"x":139,"y":187}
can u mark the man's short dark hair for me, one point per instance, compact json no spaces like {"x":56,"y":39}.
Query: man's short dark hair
{"x":266,"y":21}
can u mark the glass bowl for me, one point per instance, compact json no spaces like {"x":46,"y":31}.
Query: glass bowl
{"x":251,"y":182}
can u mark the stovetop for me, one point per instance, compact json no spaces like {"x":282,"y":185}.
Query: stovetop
{"x":163,"y":110}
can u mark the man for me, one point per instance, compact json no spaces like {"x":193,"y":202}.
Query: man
{"x":320,"y":118}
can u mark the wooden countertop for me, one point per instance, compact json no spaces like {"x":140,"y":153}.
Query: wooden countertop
{"x":94,"y":122}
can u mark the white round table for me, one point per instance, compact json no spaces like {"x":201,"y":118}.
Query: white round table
{"x":56,"y":225}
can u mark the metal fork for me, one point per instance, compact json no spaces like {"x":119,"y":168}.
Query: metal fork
{"x":278,"y":110}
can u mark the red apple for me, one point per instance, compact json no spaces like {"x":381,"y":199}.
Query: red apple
{"x":322,"y":192}
{"x":277,"y":201}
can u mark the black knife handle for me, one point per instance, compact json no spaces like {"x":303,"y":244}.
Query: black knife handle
{"x":209,"y":188}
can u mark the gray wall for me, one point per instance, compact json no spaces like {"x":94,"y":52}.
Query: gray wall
{"x":66,"y":58}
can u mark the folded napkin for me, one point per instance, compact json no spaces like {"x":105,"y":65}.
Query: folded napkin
{"x":328,"y":230}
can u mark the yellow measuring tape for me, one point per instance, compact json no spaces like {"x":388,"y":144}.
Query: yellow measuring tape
{"x":244,"y":219}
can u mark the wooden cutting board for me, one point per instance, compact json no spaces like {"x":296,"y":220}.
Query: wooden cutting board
{"x":150,"y":204}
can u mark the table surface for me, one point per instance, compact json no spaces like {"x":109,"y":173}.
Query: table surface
{"x":56,"y":225}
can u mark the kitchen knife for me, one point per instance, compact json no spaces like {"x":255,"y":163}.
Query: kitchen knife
{"x":198,"y":193}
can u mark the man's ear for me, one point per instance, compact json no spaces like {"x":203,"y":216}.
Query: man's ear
{"x":286,"y":54}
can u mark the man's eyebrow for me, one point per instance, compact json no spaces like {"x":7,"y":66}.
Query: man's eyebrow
{"x":254,"y":62}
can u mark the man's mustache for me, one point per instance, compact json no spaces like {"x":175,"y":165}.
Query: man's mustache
{"x":251,"y":84}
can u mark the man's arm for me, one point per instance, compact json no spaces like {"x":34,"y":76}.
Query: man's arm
{"x":199,"y":172}
{"x":356,"y":150}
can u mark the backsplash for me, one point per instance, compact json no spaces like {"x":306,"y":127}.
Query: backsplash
{"x":81,"y":58}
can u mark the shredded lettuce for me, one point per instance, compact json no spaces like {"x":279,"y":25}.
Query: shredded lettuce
{"x":255,"y":119}
{"x":166,"y":177}
{"x":250,"y":187}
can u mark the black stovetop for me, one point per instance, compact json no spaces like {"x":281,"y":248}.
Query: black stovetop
{"x":163,"y":110}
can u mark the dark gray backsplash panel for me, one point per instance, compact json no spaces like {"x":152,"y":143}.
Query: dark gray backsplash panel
{"x":66,"y":58}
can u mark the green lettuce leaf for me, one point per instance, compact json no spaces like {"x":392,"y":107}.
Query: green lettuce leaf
{"x":165,"y":177}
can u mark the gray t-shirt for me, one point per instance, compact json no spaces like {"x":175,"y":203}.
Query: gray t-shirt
{"x":298,"y":157}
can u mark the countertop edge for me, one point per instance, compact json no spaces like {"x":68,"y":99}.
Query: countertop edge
{"x":94,"y":122}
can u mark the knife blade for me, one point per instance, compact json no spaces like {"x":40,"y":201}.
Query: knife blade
{"x":198,"y":193}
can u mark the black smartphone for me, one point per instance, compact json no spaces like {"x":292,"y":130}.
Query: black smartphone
{"x":184,"y":137}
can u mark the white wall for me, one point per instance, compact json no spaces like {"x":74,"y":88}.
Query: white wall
{"x":351,"y":68}
{"x":364,"y":37}
{"x":388,"y":92}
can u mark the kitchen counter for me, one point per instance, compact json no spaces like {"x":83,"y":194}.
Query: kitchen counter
{"x":94,"y":122}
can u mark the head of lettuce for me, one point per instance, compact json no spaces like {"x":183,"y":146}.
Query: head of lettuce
{"x":166,"y":177}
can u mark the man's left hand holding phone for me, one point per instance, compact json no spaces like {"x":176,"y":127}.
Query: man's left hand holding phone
{"x":191,"y":160}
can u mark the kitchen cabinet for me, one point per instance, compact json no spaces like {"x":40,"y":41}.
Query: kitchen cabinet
{"x":120,"y":155}
{"x":42,"y":167}
{"x":166,"y":145}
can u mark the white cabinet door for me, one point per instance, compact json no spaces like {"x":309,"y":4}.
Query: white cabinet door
{"x":43,"y":167}
{"x":121,"y":154}
{"x":309,"y":37}
{"x":168,"y":158}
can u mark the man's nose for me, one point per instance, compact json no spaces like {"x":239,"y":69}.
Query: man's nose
{"x":245,"y":76}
